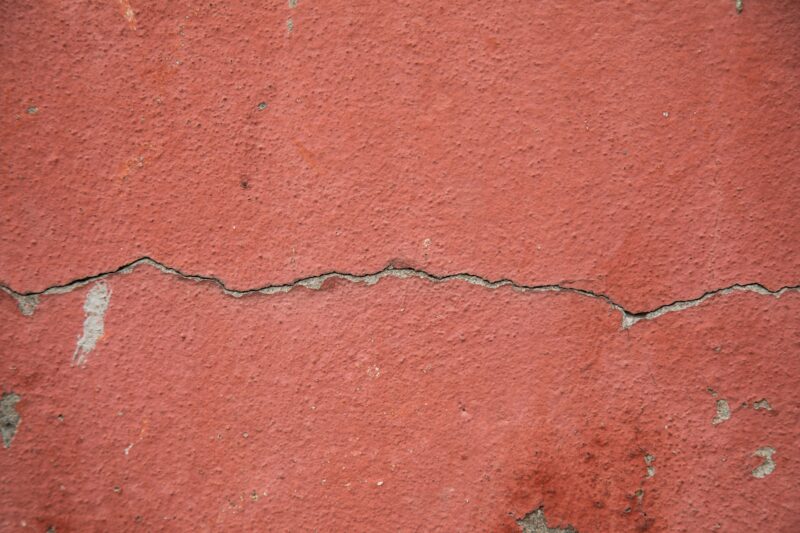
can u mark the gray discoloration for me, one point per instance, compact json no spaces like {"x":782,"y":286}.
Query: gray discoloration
{"x":292,"y":4}
{"x":723,"y":412}
{"x":762,"y":404}
{"x":289,"y":26}
{"x":32,"y":110}
{"x":95,"y":307}
{"x":316,"y":282}
{"x":651,"y":468}
{"x":9,"y":417}
{"x":739,"y":6}
{"x":768,"y":466}
{"x":27,"y":304}
{"x":535,"y":522}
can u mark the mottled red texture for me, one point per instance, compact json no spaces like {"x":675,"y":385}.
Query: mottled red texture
{"x":647,"y":151}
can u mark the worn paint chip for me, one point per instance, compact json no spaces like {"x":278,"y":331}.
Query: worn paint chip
{"x":9,"y":417}
{"x":535,"y":522}
{"x":768,"y":466}
{"x":95,"y":307}
{"x":762,"y":404}
{"x":648,"y":461}
{"x":723,"y":412}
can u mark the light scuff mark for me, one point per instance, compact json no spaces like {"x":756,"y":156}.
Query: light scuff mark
{"x":535,"y":522}
{"x":316,"y":282}
{"x":9,"y":417}
{"x":127,"y":12}
{"x":95,"y":307}
{"x":768,"y":466}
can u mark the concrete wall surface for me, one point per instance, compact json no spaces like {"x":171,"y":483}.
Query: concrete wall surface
{"x":400,"y":266}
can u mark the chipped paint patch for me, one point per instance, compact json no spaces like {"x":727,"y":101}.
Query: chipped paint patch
{"x":723,"y":412}
{"x":9,"y":417}
{"x":95,"y":307}
{"x":535,"y":522}
{"x":762,"y":404}
{"x":768,"y":466}
{"x":648,"y":461}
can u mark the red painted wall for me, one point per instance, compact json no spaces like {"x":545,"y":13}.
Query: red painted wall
{"x":414,"y":266}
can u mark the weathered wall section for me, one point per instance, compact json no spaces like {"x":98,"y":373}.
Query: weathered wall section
{"x":334,"y":266}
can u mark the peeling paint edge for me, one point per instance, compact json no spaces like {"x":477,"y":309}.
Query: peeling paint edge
{"x":316,"y":282}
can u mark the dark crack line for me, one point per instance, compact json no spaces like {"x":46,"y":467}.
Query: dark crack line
{"x":629,"y":318}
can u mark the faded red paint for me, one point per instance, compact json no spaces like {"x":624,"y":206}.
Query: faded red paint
{"x":646,"y":151}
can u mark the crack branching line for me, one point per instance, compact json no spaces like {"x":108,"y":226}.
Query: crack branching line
{"x":27,"y":300}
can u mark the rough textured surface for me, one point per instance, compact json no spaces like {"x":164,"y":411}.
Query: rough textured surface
{"x":645,"y":150}
{"x":399,"y":266}
{"x":369,"y":403}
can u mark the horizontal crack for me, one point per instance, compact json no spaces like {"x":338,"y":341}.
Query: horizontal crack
{"x":629,"y":318}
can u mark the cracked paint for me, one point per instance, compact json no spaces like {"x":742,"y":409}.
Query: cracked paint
{"x":278,"y":393}
{"x":399,"y":266}
{"x":316,"y":282}
{"x":509,"y":163}
{"x":26,"y":303}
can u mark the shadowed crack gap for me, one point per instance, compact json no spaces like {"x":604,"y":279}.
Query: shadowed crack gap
{"x":629,"y":318}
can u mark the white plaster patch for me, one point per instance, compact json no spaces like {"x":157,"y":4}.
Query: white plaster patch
{"x":768,"y":466}
{"x":95,"y":307}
